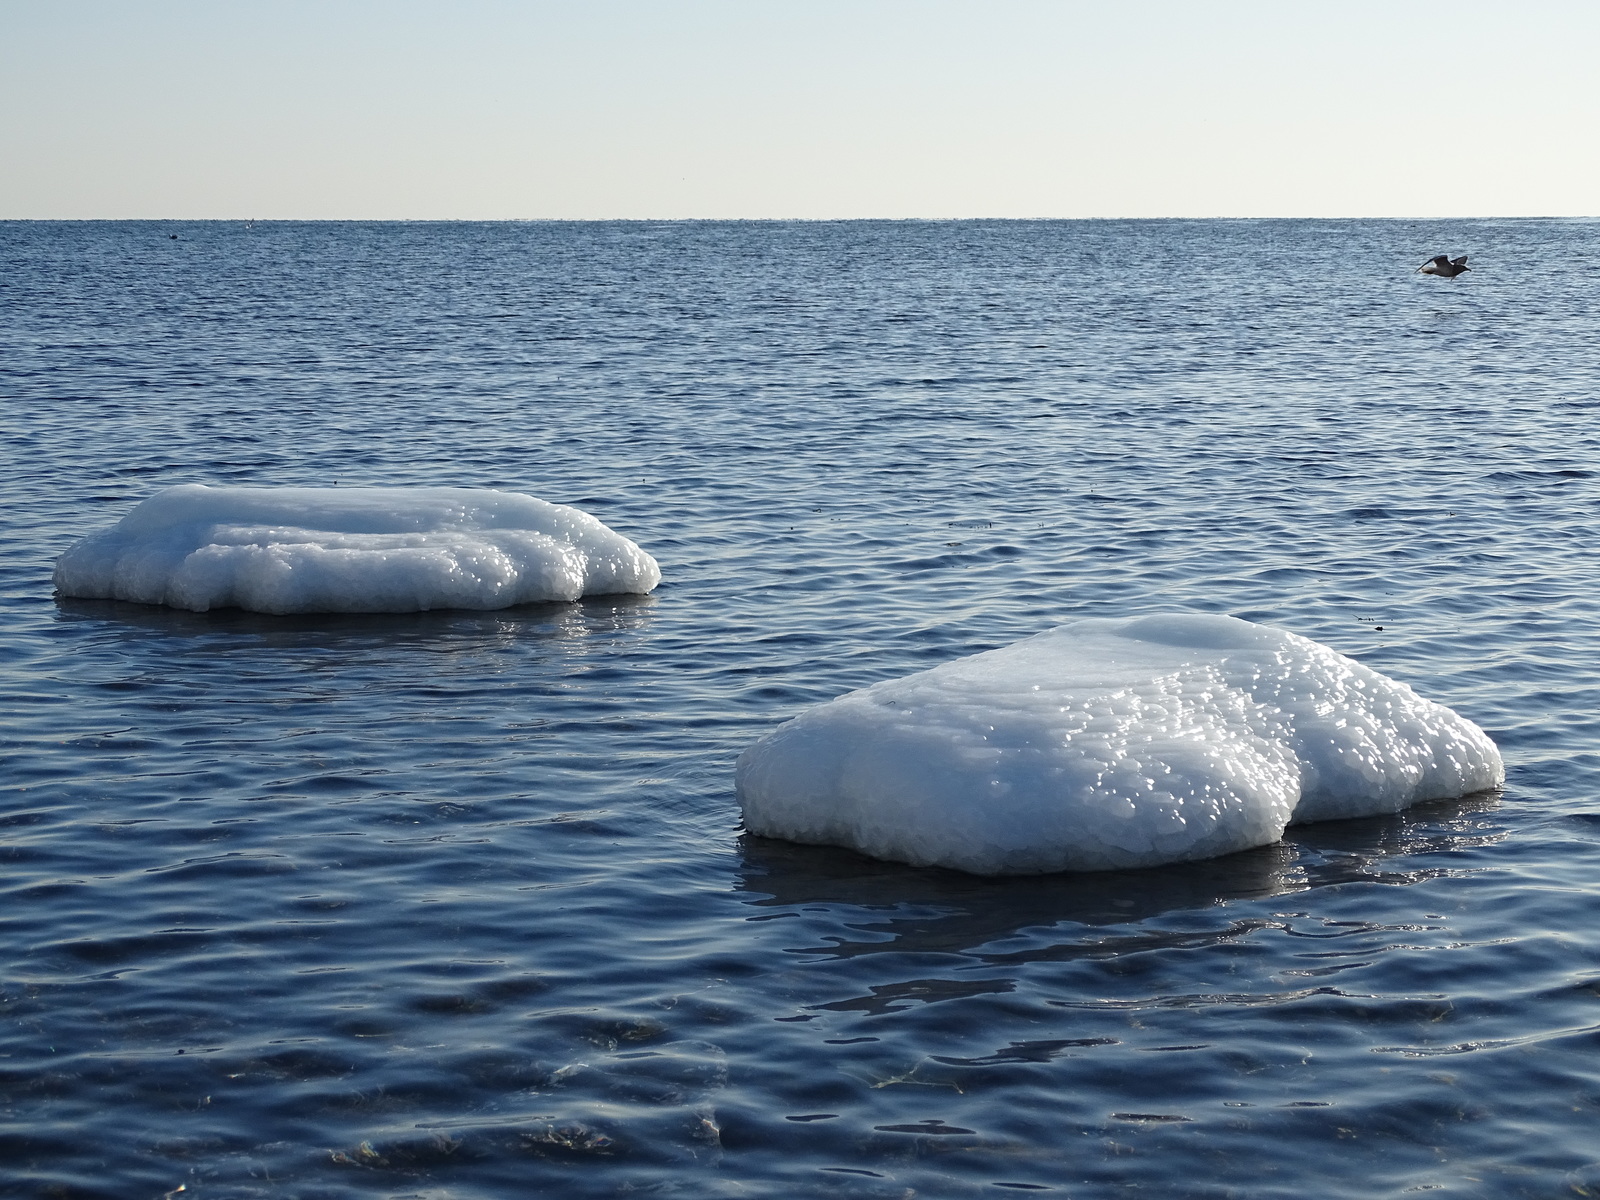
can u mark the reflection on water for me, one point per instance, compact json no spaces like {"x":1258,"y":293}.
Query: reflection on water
{"x":910,"y":909}
{"x":1366,"y":850}
{"x":920,"y":910}
{"x":590,"y":616}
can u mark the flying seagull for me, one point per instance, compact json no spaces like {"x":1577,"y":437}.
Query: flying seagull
{"x":1443,"y":264}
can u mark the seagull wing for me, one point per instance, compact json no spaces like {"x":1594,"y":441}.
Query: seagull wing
{"x":1456,"y":262}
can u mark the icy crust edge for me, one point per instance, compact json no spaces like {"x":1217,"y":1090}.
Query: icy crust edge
{"x":308,"y":550}
{"x":1105,"y":745}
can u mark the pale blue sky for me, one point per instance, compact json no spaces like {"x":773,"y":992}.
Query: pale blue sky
{"x":821,"y":108}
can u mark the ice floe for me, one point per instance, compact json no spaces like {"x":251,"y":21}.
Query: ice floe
{"x":305,"y":550}
{"x":1107,"y":744}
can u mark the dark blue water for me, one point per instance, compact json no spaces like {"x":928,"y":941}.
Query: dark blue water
{"x":458,"y":906}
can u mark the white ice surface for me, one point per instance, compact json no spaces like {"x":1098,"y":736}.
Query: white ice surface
{"x":303,"y":550}
{"x":1107,"y":744}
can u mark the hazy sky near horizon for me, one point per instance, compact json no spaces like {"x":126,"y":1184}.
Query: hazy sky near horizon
{"x":814,"y":109}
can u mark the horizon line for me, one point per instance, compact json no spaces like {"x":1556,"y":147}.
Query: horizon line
{"x":762,"y":220}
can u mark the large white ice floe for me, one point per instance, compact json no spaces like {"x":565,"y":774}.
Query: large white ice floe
{"x":304,"y":550}
{"x":1107,"y":744}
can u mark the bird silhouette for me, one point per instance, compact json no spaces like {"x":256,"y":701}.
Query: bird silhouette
{"x":1444,"y":265}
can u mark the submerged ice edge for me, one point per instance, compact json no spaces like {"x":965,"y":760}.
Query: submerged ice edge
{"x":1109,"y":744}
{"x":352,"y":550}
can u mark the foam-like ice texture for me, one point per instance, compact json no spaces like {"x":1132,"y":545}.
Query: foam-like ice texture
{"x":304,"y":550}
{"x":1107,"y":744}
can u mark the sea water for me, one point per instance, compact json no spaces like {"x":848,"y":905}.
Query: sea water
{"x":458,"y":904}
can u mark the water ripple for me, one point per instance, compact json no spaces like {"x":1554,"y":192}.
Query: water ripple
{"x":457,"y":903}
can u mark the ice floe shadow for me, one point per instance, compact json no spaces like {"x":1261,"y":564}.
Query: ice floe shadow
{"x":915,"y":910}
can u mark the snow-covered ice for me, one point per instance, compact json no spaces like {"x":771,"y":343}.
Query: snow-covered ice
{"x":304,"y":550}
{"x":1107,"y":744}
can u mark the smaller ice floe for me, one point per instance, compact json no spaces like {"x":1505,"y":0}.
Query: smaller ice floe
{"x":1108,"y":744}
{"x":306,"y":550}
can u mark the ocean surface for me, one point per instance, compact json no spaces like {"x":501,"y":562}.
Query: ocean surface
{"x":457,"y":906}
